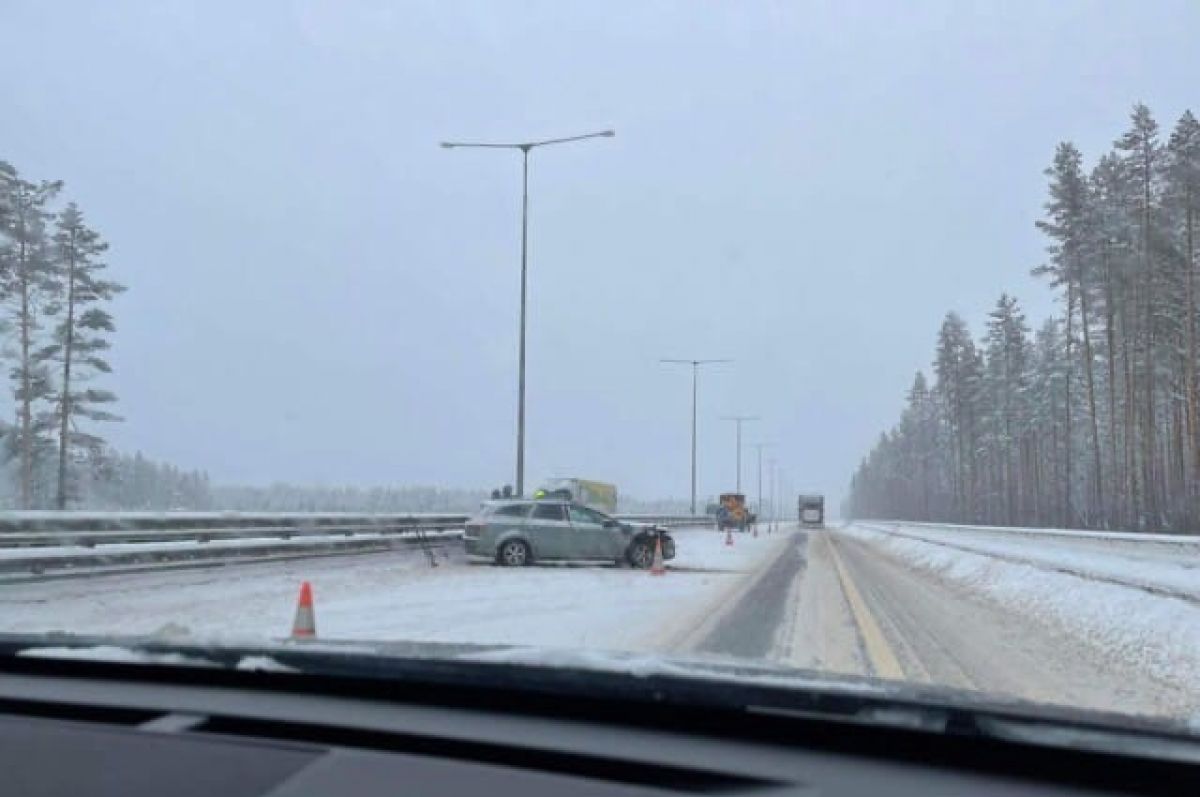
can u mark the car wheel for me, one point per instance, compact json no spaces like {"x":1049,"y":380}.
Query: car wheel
{"x":641,"y":554}
{"x":514,"y":553}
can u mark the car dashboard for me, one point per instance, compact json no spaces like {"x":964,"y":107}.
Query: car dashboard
{"x":75,"y":728}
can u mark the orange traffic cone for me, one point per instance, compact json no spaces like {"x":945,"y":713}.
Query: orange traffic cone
{"x":729,"y":536}
{"x":305,"y":625}
{"x":658,"y":567}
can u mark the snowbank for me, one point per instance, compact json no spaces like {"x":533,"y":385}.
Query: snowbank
{"x":1038,"y":531}
{"x":1144,"y":561}
{"x":1155,"y":633}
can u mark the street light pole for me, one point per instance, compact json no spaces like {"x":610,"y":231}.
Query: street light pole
{"x":695,"y":369}
{"x":760,"y":447}
{"x":524,"y":295}
{"x":784,"y":491}
{"x":739,"y":419}
{"x":524,"y":147}
{"x":780,"y":499}
{"x":771,"y":484}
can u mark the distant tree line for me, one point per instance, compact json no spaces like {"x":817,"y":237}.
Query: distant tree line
{"x":136,"y":483}
{"x":298,"y":498}
{"x":652,"y":506}
{"x":54,"y":315}
{"x":110,"y":480}
{"x":301,"y":498}
{"x":1094,"y":420}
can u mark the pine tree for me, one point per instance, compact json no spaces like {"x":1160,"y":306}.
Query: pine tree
{"x":8,"y":177}
{"x":957,"y":382}
{"x":1006,"y":381}
{"x":1183,"y":198}
{"x":1141,"y":153}
{"x":79,"y":340}
{"x":1109,"y":189}
{"x":920,"y":424}
{"x":25,"y":267}
{"x":1066,"y":224}
{"x":1050,"y":375}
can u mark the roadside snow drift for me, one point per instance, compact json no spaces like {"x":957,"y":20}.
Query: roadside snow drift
{"x":1132,"y":624}
{"x":395,"y":595}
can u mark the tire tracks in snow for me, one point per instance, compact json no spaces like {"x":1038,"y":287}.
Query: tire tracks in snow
{"x":730,"y":624}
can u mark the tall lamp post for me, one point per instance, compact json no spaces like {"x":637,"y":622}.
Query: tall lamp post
{"x":774,"y":492}
{"x":739,"y":420}
{"x":760,"y":447}
{"x":524,"y":147}
{"x":695,"y":368}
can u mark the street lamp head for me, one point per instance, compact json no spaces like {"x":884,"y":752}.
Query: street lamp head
{"x":693,"y":362}
{"x":608,"y":133}
{"x":447,"y":145}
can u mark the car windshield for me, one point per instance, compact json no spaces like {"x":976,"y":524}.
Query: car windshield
{"x":581,"y":514}
{"x":875,"y":327}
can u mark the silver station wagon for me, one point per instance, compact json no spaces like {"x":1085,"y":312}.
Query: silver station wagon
{"x":519,"y":532}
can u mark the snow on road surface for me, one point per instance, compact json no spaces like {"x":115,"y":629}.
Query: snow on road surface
{"x":819,"y":631}
{"x":1053,"y":633}
{"x":397,"y":596}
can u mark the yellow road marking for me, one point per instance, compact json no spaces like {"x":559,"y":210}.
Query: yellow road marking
{"x":879,"y":652}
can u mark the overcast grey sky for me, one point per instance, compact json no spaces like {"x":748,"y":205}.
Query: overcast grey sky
{"x":318,"y":293}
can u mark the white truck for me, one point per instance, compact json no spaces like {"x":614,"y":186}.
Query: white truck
{"x":811,"y":509}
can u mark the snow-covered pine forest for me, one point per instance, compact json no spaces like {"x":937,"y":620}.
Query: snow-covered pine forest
{"x":1093,"y":418}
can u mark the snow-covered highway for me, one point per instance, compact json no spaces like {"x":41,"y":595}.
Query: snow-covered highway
{"x":1110,"y":624}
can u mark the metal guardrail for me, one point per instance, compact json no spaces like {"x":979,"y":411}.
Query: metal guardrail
{"x":80,"y":529}
{"x":37,"y":562}
{"x":48,"y":544}
{"x":39,"y":529}
{"x":670,"y":521}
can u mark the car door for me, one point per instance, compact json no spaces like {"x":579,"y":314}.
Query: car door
{"x":499,"y":523}
{"x":593,"y":538}
{"x":550,"y":532}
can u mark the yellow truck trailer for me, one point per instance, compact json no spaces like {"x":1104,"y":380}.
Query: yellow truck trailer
{"x":597,"y":495}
